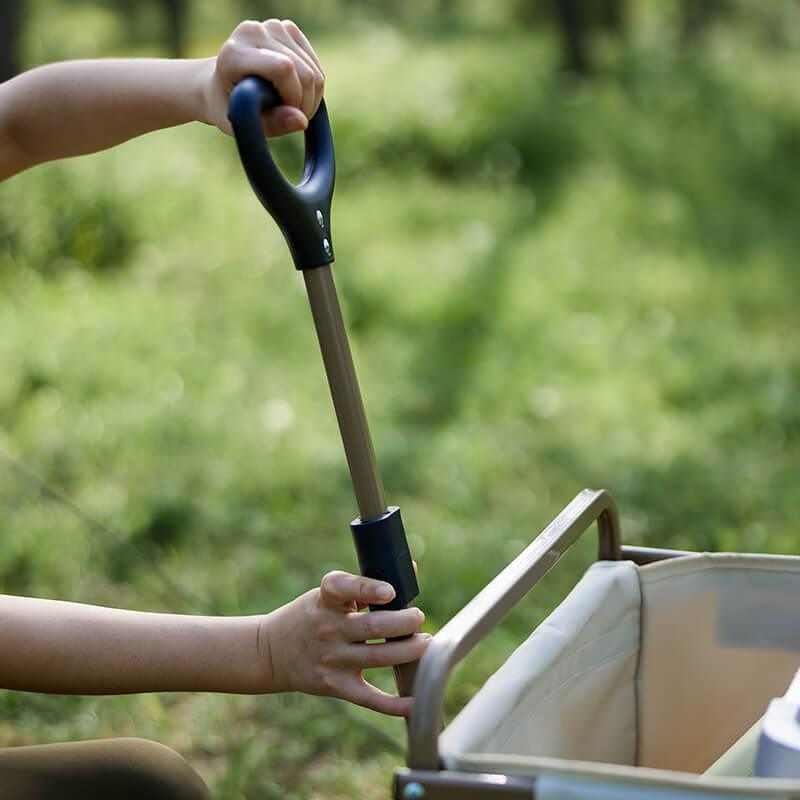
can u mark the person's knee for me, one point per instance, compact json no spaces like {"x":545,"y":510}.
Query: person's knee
{"x":153,"y":770}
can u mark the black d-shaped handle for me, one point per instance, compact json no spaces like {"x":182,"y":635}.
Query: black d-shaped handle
{"x":303,"y":212}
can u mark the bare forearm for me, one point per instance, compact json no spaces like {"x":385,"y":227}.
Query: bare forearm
{"x":71,"y":648}
{"x":79,"y":107}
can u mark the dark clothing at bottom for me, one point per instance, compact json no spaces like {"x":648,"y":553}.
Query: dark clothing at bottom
{"x":122,"y":769}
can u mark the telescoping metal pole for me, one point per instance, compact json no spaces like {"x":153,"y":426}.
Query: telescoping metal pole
{"x":303,"y":215}
{"x":350,"y":413}
{"x":345,"y":392}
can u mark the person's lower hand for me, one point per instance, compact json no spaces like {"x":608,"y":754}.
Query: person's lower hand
{"x":278,"y":51}
{"x":318,"y":643}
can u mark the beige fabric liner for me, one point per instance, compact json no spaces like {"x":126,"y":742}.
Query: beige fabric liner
{"x":663,"y":667}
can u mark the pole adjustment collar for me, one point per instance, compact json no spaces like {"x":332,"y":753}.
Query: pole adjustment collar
{"x":383,"y":554}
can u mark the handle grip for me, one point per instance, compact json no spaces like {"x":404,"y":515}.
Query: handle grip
{"x":302,"y":212}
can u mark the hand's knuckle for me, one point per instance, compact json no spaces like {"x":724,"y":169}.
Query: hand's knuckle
{"x":329,"y":659}
{"x":291,"y":26}
{"x":352,"y":621}
{"x":328,"y":582}
{"x":227,"y":51}
{"x":327,"y":631}
{"x":371,"y":627}
{"x":284,"y":66}
{"x":304,"y":73}
{"x":314,"y":597}
{"x":326,"y":679}
{"x":249,"y":27}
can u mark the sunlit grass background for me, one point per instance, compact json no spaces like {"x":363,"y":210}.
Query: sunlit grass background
{"x":549,"y":285}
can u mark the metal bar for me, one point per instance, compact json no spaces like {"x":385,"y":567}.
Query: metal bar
{"x":350,"y":413}
{"x":404,"y":677}
{"x":609,"y":536}
{"x":345,"y":392}
{"x":649,"y":555}
{"x":483,"y":613}
{"x":427,"y":785}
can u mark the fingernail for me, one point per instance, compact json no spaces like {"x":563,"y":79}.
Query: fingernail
{"x":385,"y":591}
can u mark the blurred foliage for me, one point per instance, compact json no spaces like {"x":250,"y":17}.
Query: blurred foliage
{"x":551,"y":283}
{"x":52,"y":222}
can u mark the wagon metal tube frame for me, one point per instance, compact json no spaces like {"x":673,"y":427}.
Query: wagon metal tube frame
{"x":472,"y":624}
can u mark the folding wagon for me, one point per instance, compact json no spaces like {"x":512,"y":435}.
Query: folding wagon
{"x":655,"y":665}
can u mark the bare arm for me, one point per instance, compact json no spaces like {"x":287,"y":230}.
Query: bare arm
{"x":71,"y":648}
{"x":315,"y":644}
{"x":79,"y":107}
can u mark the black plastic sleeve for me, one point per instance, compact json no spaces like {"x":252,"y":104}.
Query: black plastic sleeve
{"x":383,"y":554}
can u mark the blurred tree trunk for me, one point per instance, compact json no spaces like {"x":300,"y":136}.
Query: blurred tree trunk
{"x":614,"y":16}
{"x":11,"y":12}
{"x":571,"y":16}
{"x":177,"y":13}
{"x":697,"y":16}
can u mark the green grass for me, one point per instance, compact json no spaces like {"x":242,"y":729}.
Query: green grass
{"x":548,"y":287}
